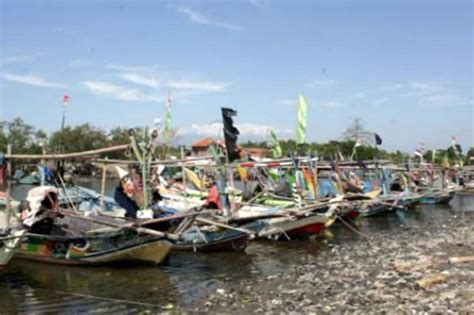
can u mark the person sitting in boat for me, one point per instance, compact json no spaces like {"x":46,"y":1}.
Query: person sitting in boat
{"x":353,"y":184}
{"x":40,"y":210}
{"x":124,"y":192}
{"x":136,"y":178}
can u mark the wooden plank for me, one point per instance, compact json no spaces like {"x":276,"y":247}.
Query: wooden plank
{"x":122,"y":147}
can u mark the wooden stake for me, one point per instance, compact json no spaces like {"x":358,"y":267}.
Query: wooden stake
{"x":102,"y":188}
{"x":183,"y":173}
{"x":8,"y":177}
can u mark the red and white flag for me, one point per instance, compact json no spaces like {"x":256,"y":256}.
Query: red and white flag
{"x":66,"y":100}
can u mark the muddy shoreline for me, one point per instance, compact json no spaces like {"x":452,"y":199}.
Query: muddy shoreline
{"x":377,"y":275}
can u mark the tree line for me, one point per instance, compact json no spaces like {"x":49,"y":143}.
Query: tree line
{"x":26,"y":139}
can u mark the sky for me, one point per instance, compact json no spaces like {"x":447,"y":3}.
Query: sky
{"x":404,"y":67}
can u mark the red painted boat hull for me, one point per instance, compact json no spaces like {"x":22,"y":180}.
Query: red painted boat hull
{"x":307,"y":230}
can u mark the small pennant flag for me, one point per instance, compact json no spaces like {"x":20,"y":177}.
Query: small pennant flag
{"x":358,"y":143}
{"x":455,"y":147}
{"x":302,"y":120}
{"x":453,"y":141}
{"x":378,"y":140}
{"x":419,"y":152}
{"x":66,"y":99}
{"x":339,"y":156}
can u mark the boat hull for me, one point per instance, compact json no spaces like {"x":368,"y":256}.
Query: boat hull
{"x":119,"y":246}
{"x":292,"y":227}
{"x":218,"y":239}
{"x":236,"y":243}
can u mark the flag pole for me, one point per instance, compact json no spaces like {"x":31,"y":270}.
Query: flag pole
{"x":63,"y":121}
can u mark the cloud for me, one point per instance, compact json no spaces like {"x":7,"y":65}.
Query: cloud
{"x":392,"y":87}
{"x":198,"y":86}
{"x":424,"y":93}
{"x":257,"y":3}
{"x":146,"y":80}
{"x":333,"y":104}
{"x":79,"y":63}
{"x":18,"y":59}
{"x":128,"y":68}
{"x":425,"y":88}
{"x":199,"y":18}
{"x":445,"y":99}
{"x":119,"y":92}
{"x":358,"y":95}
{"x":287,"y":102}
{"x":33,"y":80}
{"x":321,"y":83}
{"x":435,"y":94}
{"x":247,"y":130}
{"x":380,"y":101}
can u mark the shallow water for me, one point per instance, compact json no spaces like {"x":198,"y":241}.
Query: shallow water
{"x":188,"y":278}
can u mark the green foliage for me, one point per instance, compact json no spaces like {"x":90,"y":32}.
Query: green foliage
{"x":27,"y":139}
{"x":328,"y":151}
{"x":470,"y":153}
{"x":23,"y":137}
{"x":79,"y":138}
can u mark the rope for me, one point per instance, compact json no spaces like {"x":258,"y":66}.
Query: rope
{"x":67,"y":194}
{"x":352,"y":228}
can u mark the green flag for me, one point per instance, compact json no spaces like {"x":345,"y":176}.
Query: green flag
{"x":302,"y":117}
{"x":168,"y":121}
{"x":433,"y":156}
{"x":276,"y":148}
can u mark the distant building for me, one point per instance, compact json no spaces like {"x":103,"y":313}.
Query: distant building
{"x":203,"y":146}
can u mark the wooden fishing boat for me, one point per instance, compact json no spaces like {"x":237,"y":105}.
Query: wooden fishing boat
{"x":294,"y":227}
{"x":62,"y":237}
{"x":288,"y":223}
{"x":436,"y":197}
{"x":94,"y":248}
{"x":211,"y":238}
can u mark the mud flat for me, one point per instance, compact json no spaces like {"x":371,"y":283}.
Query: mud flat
{"x":426,"y":268}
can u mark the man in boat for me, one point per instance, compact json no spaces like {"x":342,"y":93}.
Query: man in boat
{"x":136,"y":178}
{"x":124,"y":192}
{"x":353,"y":184}
{"x":40,"y":210}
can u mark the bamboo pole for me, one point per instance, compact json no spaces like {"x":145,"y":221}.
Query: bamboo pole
{"x":183,"y":173}
{"x":8,"y":177}
{"x":66,"y":155}
{"x":102,"y":188}
{"x":222,"y":225}
{"x":121,"y":226}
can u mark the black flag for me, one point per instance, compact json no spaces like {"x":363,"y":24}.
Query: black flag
{"x":378,"y":140}
{"x":230,"y":133}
